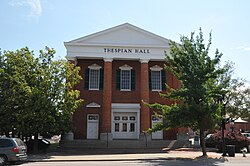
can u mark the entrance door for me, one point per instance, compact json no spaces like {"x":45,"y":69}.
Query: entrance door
{"x":92,"y":126}
{"x":125,"y":125}
{"x":157,"y":134}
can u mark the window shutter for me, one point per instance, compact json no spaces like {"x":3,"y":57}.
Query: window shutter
{"x":133,"y":79}
{"x":149,"y":80}
{"x":101,"y":79}
{"x":163,"y":80}
{"x":86,"y":79}
{"x":118,"y":78}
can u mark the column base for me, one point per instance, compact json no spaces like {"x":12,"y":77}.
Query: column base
{"x":145,"y":137}
{"x":183,"y":136}
{"x":106,"y":136}
{"x":68,"y":136}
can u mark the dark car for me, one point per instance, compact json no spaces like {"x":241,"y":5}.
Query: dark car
{"x":12,"y":150}
{"x":43,"y":145}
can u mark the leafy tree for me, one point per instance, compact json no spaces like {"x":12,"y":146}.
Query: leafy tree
{"x":37,"y":94}
{"x":237,"y":96}
{"x":239,"y":101}
{"x":196,"y":101}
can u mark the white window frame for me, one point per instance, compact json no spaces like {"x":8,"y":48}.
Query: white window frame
{"x":125,"y":68}
{"x":154,"y":69}
{"x":94,"y":67}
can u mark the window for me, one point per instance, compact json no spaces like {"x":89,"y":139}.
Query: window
{"x":125,"y":78}
{"x":93,"y":117}
{"x":93,"y":77}
{"x":116,"y":127}
{"x":132,"y":127}
{"x":5,"y":143}
{"x":124,"y":118}
{"x":157,"y":78}
{"x":124,"y":127}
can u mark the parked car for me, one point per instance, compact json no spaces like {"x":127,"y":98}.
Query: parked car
{"x":246,"y":135}
{"x":12,"y":150}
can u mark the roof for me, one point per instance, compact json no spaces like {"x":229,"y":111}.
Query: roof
{"x":239,"y":120}
{"x":125,"y":34}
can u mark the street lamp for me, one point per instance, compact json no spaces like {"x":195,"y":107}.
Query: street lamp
{"x":223,"y":123}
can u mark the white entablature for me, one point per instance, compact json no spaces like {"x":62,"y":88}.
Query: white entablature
{"x":125,"y":41}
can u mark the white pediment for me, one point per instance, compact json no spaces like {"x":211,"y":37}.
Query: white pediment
{"x":125,"y":41}
{"x":93,"y":105}
{"x":122,"y":35}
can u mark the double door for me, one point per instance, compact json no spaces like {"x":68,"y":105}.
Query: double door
{"x":125,"y":125}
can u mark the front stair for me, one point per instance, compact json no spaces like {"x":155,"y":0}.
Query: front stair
{"x":126,"y":144}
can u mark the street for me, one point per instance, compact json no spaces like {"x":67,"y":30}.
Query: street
{"x":159,"y":162}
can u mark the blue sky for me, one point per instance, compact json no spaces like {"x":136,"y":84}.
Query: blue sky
{"x":40,"y":23}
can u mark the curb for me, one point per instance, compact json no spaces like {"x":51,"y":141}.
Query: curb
{"x":146,"y":159}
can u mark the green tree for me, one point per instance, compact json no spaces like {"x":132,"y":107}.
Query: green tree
{"x":238,"y":100}
{"x":196,"y":101}
{"x":237,"y":96}
{"x":37,"y":94}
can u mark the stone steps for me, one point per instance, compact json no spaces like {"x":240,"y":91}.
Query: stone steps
{"x":126,"y":144}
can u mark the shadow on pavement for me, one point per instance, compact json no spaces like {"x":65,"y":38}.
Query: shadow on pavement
{"x":199,"y":161}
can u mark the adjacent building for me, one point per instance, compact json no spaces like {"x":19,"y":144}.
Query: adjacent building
{"x":122,"y":67}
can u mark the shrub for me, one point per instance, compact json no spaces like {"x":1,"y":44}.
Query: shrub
{"x":231,"y":138}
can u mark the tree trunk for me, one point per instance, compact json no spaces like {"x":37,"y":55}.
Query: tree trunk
{"x":202,"y":142}
{"x":35,"y":146}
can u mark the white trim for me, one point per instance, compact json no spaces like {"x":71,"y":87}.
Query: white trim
{"x":93,"y":105}
{"x":125,"y":106}
{"x":67,"y":44}
{"x":84,"y":47}
{"x":144,"y":60}
{"x":108,"y":59}
{"x":94,"y":67}
{"x":125,"y":67}
{"x":156,"y":68}
{"x":90,"y":123}
{"x":70,"y":58}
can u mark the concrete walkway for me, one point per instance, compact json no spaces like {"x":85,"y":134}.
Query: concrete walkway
{"x":129,"y":154}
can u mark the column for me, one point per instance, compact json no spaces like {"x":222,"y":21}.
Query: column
{"x":107,"y":100}
{"x":145,"y":111}
{"x":72,"y":60}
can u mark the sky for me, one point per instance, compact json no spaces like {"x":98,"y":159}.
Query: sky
{"x":40,"y":23}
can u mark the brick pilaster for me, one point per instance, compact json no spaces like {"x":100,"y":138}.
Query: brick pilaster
{"x":145,"y":111}
{"x":107,"y":97}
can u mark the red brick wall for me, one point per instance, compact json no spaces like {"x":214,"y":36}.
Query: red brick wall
{"x":80,"y":116}
{"x":132,"y":96}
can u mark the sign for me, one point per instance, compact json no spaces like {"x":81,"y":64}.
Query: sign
{"x":126,"y":50}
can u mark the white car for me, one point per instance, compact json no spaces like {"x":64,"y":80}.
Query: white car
{"x":246,"y":135}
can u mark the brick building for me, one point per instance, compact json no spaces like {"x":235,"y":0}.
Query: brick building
{"x":121,"y":67}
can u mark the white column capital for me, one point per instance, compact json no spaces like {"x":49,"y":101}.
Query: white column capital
{"x":72,"y":59}
{"x":144,"y":60}
{"x":108,"y":59}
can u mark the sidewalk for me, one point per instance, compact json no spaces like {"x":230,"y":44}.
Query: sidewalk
{"x":129,"y":154}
